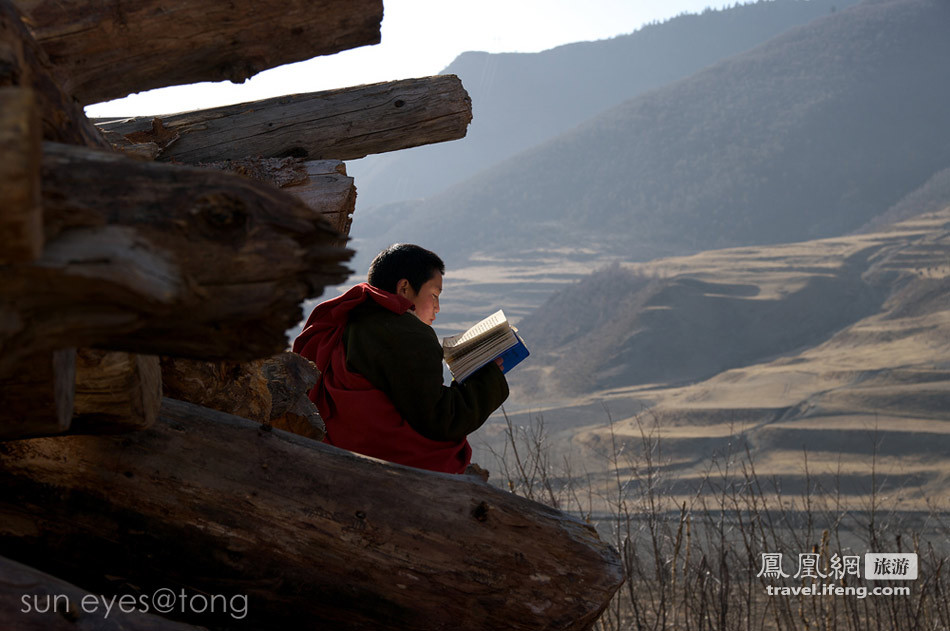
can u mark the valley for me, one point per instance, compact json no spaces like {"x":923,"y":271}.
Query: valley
{"x":838,"y":404}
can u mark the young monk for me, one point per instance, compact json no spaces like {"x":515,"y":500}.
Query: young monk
{"x":381,"y":391}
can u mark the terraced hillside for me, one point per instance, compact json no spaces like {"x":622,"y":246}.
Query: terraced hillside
{"x":833,"y":353}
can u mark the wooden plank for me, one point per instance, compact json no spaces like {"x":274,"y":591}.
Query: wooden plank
{"x":23,"y":63}
{"x":316,"y":537}
{"x":37,"y":399}
{"x":31,"y":600}
{"x":343,"y":124}
{"x":115,"y":392}
{"x":21,"y":216}
{"x":164,"y":259}
{"x":107,"y":50}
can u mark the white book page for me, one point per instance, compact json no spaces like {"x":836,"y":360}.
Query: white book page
{"x":484,"y":327}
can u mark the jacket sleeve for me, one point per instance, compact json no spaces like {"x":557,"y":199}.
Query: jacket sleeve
{"x":402,"y":356}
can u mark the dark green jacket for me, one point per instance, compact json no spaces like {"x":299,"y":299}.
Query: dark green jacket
{"x":402,"y":356}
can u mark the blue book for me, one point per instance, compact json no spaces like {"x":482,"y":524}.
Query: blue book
{"x":514,"y":355}
{"x":488,"y":340}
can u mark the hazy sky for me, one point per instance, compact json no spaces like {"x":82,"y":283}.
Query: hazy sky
{"x":420,"y":38}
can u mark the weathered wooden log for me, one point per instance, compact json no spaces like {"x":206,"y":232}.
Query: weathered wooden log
{"x":342,"y":124}
{"x":272,"y":390}
{"x":303,"y":419}
{"x":238,"y":388}
{"x":21,"y":216}
{"x":31,"y":600}
{"x":37,"y":400}
{"x":290,"y":378}
{"x":223,"y":229}
{"x":90,"y":285}
{"x":165,"y":260}
{"x":281,"y":172}
{"x":115,"y":392}
{"x":316,"y":537}
{"x":89,"y":392}
{"x":23,"y":63}
{"x":328,"y":186}
{"x":105,"y":51}
{"x":321,"y":184}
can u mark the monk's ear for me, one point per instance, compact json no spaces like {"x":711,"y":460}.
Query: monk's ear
{"x":403,"y":287}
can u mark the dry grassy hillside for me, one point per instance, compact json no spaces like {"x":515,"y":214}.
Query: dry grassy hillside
{"x":868,"y":392}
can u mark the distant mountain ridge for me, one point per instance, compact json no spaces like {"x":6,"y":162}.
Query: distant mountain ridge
{"x":522,"y":99}
{"x":833,"y":351}
{"x":686,"y":319}
{"x":811,"y":134}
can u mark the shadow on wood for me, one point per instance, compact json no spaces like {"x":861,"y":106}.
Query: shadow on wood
{"x":33,"y":601}
{"x":164,"y":259}
{"x":23,"y":63}
{"x":312,"y":534}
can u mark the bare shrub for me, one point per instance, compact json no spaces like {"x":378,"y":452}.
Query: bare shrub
{"x":694,"y":557}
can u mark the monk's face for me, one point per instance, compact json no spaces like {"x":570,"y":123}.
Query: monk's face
{"x":426,"y":300}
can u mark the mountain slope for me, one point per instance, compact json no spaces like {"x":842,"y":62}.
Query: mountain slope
{"x":520,"y":100}
{"x":809,"y":135}
{"x":856,"y":379}
{"x":686,"y":319}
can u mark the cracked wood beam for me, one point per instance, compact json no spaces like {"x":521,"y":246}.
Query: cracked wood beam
{"x":271,"y":391}
{"x":79,"y":392}
{"x":115,"y":392}
{"x":107,"y":50}
{"x":37,"y":399}
{"x":315,"y":536}
{"x":343,"y":124}
{"x":23,"y":63}
{"x":21,"y":216}
{"x":90,"y":286}
{"x":164,"y":259}
{"x":328,"y":186}
{"x":321,"y":184}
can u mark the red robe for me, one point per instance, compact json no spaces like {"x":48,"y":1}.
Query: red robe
{"x":359,"y":417}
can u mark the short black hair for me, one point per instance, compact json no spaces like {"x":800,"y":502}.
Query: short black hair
{"x":404,"y":260}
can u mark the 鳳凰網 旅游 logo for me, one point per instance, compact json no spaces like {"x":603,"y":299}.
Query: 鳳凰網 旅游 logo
{"x":814,"y":574}
{"x":900,"y":566}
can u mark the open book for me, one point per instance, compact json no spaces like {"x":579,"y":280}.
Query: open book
{"x":491,"y":338}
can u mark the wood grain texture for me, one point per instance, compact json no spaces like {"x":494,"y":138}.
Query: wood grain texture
{"x":23,"y":63}
{"x":290,"y":378}
{"x":271,"y":391}
{"x":238,"y":388}
{"x":106,"y":50}
{"x":91,"y":285}
{"x":37,"y":399}
{"x":320,"y":184}
{"x":316,"y":537}
{"x":21,"y":216}
{"x":164,"y":260}
{"x":328,"y":187}
{"x":115,"y":392}
{"x":343,"y":124}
